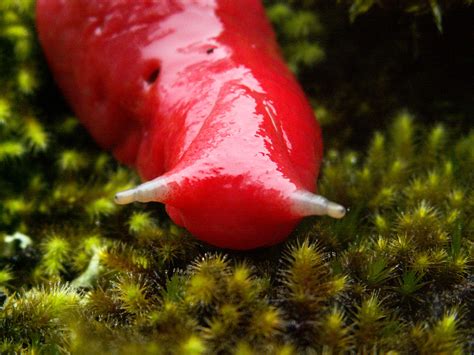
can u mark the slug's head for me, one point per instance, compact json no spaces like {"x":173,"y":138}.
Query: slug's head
{"x":230,"y":212}
{"x":244,"y":179}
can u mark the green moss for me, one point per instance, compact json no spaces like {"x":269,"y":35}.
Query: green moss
{"x":83,"y":275}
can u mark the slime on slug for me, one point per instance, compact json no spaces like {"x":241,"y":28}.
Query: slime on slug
{"x":193,"y":94}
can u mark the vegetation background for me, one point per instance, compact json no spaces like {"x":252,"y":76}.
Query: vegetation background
{"x":392,"y":85}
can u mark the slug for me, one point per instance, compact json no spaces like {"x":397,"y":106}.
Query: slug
{"x":195,"y":95}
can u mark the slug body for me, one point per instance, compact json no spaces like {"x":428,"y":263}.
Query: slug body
{"x":195,"y":95}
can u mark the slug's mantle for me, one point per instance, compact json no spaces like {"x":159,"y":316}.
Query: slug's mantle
{"x":195,"y":96}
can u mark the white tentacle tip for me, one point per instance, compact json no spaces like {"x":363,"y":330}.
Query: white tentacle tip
{"x":306,"y":203}
{"x":124,"y":197}
{"x":335,"y":210}
{"x":155,"y":190}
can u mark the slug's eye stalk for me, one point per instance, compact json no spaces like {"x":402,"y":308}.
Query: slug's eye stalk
{"x":155,"y":190}
{"x":306,"y":203}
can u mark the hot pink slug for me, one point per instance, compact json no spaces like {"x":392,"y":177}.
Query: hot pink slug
{"x":195,"y":95}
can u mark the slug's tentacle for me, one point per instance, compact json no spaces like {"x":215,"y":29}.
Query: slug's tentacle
{"x":306,"y":203}
{"x":155,"y":190}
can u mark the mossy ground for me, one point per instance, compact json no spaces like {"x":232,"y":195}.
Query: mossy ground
{"x":81,"y":274}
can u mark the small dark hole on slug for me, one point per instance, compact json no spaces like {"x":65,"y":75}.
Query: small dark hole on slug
{"x":210,"y":51}
{"x":153,"y":76}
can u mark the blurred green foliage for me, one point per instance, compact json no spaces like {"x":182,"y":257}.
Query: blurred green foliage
{"x":80,"y":274}
{"x":390,"y":56}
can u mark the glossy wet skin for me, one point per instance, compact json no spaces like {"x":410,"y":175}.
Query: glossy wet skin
{"x":197,"y":91}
